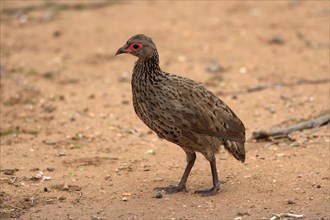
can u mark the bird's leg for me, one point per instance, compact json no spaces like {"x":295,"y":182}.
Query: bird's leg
{"x":191,"y":157}
{"x":216,"y":182}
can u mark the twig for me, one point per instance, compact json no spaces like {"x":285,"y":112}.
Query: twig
{"x":264,"y":87}
{"x":286,"y":216}
{"x":283,"y":132}
{"x":279,"y":85}
{"x":33,"y":197}
{"x":297,"y":83}
{"x":15,"y":207}
{"x":77,"y":200}
{"x":7,"y":140}
{"x":57,"y":6}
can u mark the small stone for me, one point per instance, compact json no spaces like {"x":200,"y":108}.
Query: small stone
{"x":107,"y":177}
{"x":48,"y":75}
{"x":290,"y":202}
{"x":125,"y":102}
{"x":150,"y":151}
{"x":46,"y":189}
{"x":56,"y":33}
{"x":158,"y":179}
{"x":241,"y":214}
{"x":125,"y":199}
{"x":9,"y":171}
{"x":61,"y":198}
{"x":34,"y":169}
{"x":66,"y":187}
{"x":38,"y":176}
{"x":127,"y":194}
{"x":49,"y":108}
{"x":23,"y":19}
{"x":279,"y":40}
{"x":318,"y":186}
{"x":158,"y":195}
{"x":50,"y":169}
{"x":50,"y":142}
{"x":61,"y":154}
{"x":214,"y":68}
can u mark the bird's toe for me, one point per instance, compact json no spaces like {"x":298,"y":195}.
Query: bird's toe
{"x":171,"y":189}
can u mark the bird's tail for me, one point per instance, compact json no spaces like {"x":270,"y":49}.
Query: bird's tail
{"x":237,"y":149}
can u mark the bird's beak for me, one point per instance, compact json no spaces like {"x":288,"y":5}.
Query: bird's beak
{"x":121,"y":50}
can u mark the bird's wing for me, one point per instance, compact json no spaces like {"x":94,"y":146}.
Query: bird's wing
{"x":193,"y":108}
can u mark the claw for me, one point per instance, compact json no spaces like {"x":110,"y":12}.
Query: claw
{"x":209,"y":192}
{"x":172,"y":189}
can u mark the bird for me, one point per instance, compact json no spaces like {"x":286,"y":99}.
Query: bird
{"x":183,"y":112}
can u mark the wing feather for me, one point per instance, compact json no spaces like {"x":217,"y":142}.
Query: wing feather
{"x":196,"y":109}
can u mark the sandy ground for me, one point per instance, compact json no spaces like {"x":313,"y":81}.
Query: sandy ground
{"x":73,"y":148}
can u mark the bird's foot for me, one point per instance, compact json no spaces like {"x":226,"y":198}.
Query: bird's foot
{"x":209,"y":192}
{"x":172,"y":189}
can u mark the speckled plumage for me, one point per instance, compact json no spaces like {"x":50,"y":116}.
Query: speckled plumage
{"x":182,"y":111}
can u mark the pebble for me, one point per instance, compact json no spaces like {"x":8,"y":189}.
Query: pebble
{"x":125,"y":199}
{"x":279,"y":40}
{"x":34,"y":169}
{"x":66,"y":187}
{"x":50,"y":169}
{"x":61,"y":198}
{"x":125,"y":102}
{"x":49,"y":108}
{"x":107,"y":177}
{"x":150,"y":151}
{"x":49,"y":75}
{"x":214,"y":68}
{"x":290,"y":202}
{"x":158,"y":195}
{"x":9,"y":171}
{"x":158,"y":179}
{"x":57,"y":33}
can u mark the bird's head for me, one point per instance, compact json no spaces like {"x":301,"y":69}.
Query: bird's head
{"x":140,"y":46}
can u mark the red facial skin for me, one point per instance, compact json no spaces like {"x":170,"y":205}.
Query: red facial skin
{"x":133,"y":47}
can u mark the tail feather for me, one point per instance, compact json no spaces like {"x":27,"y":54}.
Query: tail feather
{"x":237,"y":149}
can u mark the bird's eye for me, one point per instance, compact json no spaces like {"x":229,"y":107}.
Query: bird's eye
{"x":136,"y":46}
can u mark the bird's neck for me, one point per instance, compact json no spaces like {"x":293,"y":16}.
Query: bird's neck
{"x":145,"y":73}
{"x":148,"y":64}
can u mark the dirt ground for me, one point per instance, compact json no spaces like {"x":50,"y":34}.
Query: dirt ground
{"x":73,"y":148}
